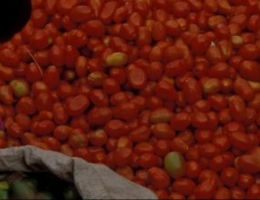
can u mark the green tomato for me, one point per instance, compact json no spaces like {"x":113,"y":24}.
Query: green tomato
{"x":174,"y":163}
{"x":20,"y":87}
{"x":117,"y":59}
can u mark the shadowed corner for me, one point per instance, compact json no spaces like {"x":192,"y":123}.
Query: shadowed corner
{"x":14,"y":14}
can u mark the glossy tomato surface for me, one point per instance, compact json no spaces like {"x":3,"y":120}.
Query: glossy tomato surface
{"x":164,"y":92}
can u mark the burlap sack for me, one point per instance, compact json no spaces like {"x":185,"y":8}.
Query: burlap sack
{"x":93,"y":181}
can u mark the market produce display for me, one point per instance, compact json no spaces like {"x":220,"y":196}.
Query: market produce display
{"x":164,"y":92}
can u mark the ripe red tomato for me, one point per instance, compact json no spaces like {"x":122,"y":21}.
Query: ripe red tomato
{"x":159,"y":178}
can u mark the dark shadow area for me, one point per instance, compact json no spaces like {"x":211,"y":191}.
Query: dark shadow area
{"x":14,"y":14}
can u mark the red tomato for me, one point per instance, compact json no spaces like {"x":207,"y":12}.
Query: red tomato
{"x":77,"y":105}
{"x":206,"y":189}
{"x":42,"y":128}
{"x":184,"y":186}
{"x":99,"y":115}
{"x":253,"y":191}
{"x":81,"y":13}
{"x":159,"y":178}
{"x":77,"y":139}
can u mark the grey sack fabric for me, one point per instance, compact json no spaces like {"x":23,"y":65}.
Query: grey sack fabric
{"x":93,"y":181}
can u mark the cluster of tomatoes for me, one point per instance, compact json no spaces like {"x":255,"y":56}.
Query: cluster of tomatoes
{"x":164,"y":92}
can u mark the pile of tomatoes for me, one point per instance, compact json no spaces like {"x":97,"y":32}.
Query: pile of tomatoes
{"x":164,"y":92}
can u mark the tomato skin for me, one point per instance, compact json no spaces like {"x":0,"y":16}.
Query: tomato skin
{"x":159,"y":178}
{"x":77,"y":139}
{"x":23,"y":120}
{"x":71,"y":54}
{"x":144,"y":36}
{"x":206,"y":189}
{"x":42,"y":128}
{"x":44,"y":101}
{"x":15,"y":130}
{"x":66,"y":149}
{"x":165,"y":90}
{"x":229,"y":176}
{"x":237,"y":108}
{"x":183,"y":186}
{"x":200,"y":120}
{"x":122,"y":156}
{"x":237,"y":193}
{"x":200,"y":44}
{"x":162,"y":131}
{"x":81,"y":13}
{"x":176,"y":67}
{"x":6,"y":73}
{"x":249,"y":52}
{"x":26,"y":105}
{"x":253,"y":191}
{"x":107,"y":11}
{"x":192,"y":90}
{"x":60,"y":115}
{"x":243,"y":89}
{"x":245,"y":180}
{"x":116,"y":128}
{"x":249,"y":70}
{"x":248,"y":163}
{"x":6,"y":94}
{"x":52,"y":143}
{"x":33,"y":73}
{"x":83,"y":153}
{"x":140,"y":134}
{"x":62,"y":132}
{"x":94,"y":28}
{"x":98,"y":97}
{"x":39,"y":18}
{"x":63,"y":7}
{"x":42,"y":58}
{"x":222,"y":193}
{"x":40,"y":39}
{"x":77,"y":105}
{"x":56,"y":54}
{"x":9,"y":57}
{"x":208,"y":150}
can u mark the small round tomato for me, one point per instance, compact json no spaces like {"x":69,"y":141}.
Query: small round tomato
{"x":183,"y":186}
{"x":44,"y":101}
{"x":77,"y":105}
{"x":98,"y":137}
{"x":222,"y":193}
{"x":253,"y":191}
{"x":174,"y":164}
{"x":94,"y":28}
{"x":77,"y":138}
{"x":180,"y":121}
{"x":42,"y":128}
{"x":62,"y":132}
{"x":206,"y":189}
{"x":116,"y":128}
{"x":122,"y":156}
{"x":140,"y":134}
{"x":159,"y":178}
{"x":26,"y":105}
{"x":52,"y":142}
{"x":229,"y":176}
{"x":245,"y":180}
